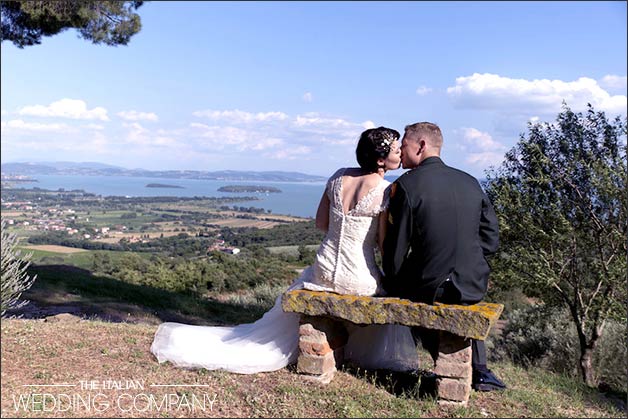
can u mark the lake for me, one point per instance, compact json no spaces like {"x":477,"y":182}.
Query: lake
{"x":296,"y":198}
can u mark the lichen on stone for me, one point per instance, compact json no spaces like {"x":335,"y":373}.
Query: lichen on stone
{"x":473,"y":321}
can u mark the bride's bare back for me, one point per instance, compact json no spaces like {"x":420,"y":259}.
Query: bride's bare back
{"x":356,"y":184}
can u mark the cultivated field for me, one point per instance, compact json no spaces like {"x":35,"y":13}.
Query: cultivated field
{"x":115,"y":237}
{"x":12,"y":213}
{"x":242,"y":222}
{"x":54,"y":248}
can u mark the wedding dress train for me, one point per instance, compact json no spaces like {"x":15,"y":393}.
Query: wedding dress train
{"x":345,"y":263}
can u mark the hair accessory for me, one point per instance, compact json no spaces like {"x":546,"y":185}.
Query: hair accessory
{"x":383,"y":145}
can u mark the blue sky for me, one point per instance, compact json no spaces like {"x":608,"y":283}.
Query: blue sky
{"x":291,"y":85}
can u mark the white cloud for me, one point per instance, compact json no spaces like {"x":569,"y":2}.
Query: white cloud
{"x":96,"y":127}
{"x":292,"y":153}
{"x":142,"y":136}
{"x":315,"y":128}
{"x":480,"y":148}
{"x":222,"y":138}
{"x":494,"y":92}
{"x":137,"y":134}
{"x":313,"y":119}
{"x":217,"y":137}
{"x":368,"y":125}
{"x":238,"y":116}
{"x":307,"y":97}
{"x":233,"y":139}
{"x":164,"y":141}
{"x":20,"y":125}
{"x":137,"y":116}
{"x":54,"y":141}
{"x":66,"y":108}
{"x":485,"y":159}
{"x":266,"y":143}
{"x":327,"y":139}
{"x":481,"y":140}
{"x":423,"y":90}
{"x":267,"y":130}
{"x":614,"y":82}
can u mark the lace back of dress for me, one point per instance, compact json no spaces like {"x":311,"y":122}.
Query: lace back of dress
{"x":371,"y":204}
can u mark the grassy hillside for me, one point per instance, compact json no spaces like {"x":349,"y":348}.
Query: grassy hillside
{"x":37,"y":352}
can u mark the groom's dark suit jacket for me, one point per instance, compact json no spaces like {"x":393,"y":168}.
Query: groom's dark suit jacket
{"x":440,"y":225}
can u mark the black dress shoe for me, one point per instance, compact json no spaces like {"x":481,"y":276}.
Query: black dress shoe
{"x":486,"y":381}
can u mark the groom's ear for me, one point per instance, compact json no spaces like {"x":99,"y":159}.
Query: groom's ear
{"x":421,"y":147}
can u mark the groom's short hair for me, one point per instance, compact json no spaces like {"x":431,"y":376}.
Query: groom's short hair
{"x":425,"y":130}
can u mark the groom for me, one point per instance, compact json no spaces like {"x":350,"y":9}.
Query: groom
{"x":441,"y":226}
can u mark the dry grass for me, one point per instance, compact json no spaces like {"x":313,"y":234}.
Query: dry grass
{"x":37,"y":352}
{"x":54,"y":248}
{"x":43,"y":353}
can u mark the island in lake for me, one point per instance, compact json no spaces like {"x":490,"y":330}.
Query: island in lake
{"x":248,"y":188}
{"x":163,"y":185}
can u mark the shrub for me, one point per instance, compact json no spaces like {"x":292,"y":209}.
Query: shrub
{"x":612,"y":357}
{"x":14,"y":278}
{"x":546,"y":337}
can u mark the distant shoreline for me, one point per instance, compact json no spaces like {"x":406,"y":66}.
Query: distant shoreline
{"x":249,"y":188}
{"x":17,"y":180}
{"x":94,"y":169}
{"x":296,"y":198}
{"x":163,"y":185}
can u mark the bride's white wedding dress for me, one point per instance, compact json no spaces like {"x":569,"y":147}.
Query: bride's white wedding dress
{"x":345,"y":263}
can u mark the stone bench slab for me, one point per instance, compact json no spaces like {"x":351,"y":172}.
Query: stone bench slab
{"x":472,"y":321}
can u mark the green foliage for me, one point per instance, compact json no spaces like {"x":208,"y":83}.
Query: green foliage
{"x":110,"y":22}
{"x":220,"y":272}
{"x":62,"y":238}
{"x":99,"y":292}
{"x":13,"y":266}
{"x":546,"y":337}
{"x":304,"y":232}
{"x":560,"y":197}
{"x":306,"y":256}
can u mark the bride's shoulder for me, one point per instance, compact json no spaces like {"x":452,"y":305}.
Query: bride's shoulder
{"x":338,"y":173}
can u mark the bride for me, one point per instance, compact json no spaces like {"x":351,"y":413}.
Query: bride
{"x":352,"y":211}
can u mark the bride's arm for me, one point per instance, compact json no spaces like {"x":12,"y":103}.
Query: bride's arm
{"x":322,"y":214}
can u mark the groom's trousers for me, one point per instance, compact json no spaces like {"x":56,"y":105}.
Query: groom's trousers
{"x":447,"y":293}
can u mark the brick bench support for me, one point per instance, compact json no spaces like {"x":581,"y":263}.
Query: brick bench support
{"x":325,"y":318}
{"x":453,"y":368}
{"x":321,"y":347}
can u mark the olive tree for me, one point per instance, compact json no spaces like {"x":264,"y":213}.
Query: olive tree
{"x":13,"y":269}
{"x":560,"y":197}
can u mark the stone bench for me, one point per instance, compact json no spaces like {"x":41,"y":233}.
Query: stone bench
{"x":323,"y":333}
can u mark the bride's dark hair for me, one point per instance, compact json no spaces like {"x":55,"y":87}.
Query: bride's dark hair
{"x":373,"y":145}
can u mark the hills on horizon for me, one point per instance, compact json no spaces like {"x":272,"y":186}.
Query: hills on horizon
{"x":102,"y":169}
